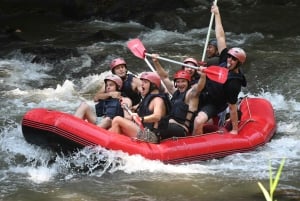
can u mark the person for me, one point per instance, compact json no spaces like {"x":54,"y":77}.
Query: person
{"x":212,"y":53}
{"x":193,"y":72}
{"x":130,"y":86}
{"x":153,"y":107}
{"x":185,"y":98}
{"x":216,"y":97}
{"x":107,"y":109}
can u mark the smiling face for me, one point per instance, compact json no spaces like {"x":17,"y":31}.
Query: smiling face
{"x":191,"y":71}
{"x":232,"y":62}
{"x":181,"y":84}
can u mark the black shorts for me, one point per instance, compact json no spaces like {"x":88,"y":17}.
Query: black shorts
{"x":208,"y":106}
{"x":210,"y":110}
{"x":173,"y":130}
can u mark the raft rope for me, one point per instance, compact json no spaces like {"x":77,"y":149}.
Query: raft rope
{"x":250,"y":115}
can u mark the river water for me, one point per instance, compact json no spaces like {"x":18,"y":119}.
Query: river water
{"x":30,"y":173}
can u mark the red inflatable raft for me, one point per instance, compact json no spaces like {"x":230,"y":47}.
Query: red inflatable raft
{"x":62,"y":131}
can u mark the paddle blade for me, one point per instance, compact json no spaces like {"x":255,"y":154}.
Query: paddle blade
{"x":217,"y":73}
{"x":137,"y":48}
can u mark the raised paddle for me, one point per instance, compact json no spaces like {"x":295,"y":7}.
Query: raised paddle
{"x":215,"y":73}
{"x":208,"y":33}
{"x":136,"y":119}
{"x":135,"y":45}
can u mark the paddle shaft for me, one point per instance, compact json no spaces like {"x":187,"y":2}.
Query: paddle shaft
{"x":172,"y":61}
{"x":137,"y":121}
{"x":128,"y":110}
{"x":208,"y":33}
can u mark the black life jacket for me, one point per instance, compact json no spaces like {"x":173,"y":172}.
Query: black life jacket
{"x":128,"y":92}
{"x":143,"y":109}
{"x":213,"y":61}
{"x":180,"y":110}
{"x":110,"y":107}
{"x":215,"y":91}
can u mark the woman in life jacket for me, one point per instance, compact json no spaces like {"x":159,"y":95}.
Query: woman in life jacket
{"x":130,"y":85}
{"x":185,"y":98}
{"x":105,"y":110}
{"x":150,"y":111}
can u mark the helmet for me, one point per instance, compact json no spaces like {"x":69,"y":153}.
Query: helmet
{"x":192,"y":60}
{"x":116,"y":79}
{"x":116,"y":62}
{"x":213,"y":42}
{"x":182,"y":74}
{"x":238,"y":53}
{"x":151,"y":77}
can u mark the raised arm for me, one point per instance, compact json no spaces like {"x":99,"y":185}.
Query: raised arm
{"x":220,"y":34}
{"x":163,"y":74}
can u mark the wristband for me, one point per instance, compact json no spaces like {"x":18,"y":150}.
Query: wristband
{"x":142,"y":120}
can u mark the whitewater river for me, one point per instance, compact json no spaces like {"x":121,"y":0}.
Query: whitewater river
{"x":29,"y":173}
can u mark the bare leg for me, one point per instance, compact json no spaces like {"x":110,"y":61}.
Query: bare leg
{"x":124,"y":126}
{"x":84,"y":112}
{"x":199,"y":121}
{"x":105,"y":123}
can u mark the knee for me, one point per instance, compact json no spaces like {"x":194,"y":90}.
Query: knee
{"x":116,"y":120}
{"x":200,"y":118}
{"x":84,"y":106}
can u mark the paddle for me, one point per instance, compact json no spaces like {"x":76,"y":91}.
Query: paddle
{"x":215,"y":73}
{"x":136,"y":118}
{"x":208,"y":33}
{"x":135,"y":45}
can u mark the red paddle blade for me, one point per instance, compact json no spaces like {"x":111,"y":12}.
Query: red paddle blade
{"x":137,"y":120}
{"x":217,"y":73}
{"x":137,"y":48}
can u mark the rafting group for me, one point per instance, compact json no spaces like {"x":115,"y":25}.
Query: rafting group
{"x":153,"y":106}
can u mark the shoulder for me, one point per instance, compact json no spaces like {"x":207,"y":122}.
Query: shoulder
{"x":126,"y":100}
{"x":136,"y":80}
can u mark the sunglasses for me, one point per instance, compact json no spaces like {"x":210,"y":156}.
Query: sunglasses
{"x":232,"y":57}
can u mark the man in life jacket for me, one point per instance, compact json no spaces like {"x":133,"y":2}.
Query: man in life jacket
{"x":107,"y":109}
{"x":216,"y":97}
{"x":151,"y":110}
{"x":185,"y":98}
{"x":130,"y":85}
{"x":212,"y":53}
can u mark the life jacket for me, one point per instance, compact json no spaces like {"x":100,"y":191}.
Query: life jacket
{"x":215,"y":92}
{"x":213,"y":61}
{"x":143,"y":110}
{"x":128,"y":92}
{"x":110,"y":107}
{"x":180,"y":110}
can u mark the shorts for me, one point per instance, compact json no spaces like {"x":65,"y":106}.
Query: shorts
{"x":173,"y":130}
{"x":210,"y":110}
{"x":148,"y":136}
{"x":98,"y":120}
{"x":206,"y":105}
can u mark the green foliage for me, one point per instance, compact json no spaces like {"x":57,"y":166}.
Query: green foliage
{"x":273,"y":183}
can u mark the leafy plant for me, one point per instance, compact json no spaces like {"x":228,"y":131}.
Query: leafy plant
{"x":273,"y":183}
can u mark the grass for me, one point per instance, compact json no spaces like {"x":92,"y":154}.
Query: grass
{"x":273,"y":182}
